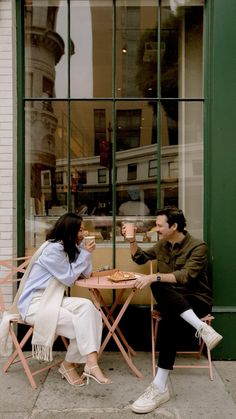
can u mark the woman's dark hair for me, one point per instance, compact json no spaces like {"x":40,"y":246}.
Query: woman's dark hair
{"x":66,"y":230}
{"x":173,"y":215}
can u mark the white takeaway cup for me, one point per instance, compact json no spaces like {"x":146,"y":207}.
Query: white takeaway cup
{"x":89,"y":239}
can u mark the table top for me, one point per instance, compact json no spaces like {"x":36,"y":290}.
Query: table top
{"x":102,"y":282}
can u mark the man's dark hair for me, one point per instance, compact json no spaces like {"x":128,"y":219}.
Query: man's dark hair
{"x":173,"y":215}
{"x":66,"y":230}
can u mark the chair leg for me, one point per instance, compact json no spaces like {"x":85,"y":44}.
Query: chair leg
{"x":154,"y":331}
{"x":23,"y":361}
{"x":13,"y":356}
{"x":210,"y":364}
{"x":153,"y":347}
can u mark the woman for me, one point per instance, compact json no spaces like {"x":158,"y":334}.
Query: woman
{"x":57,"y":264}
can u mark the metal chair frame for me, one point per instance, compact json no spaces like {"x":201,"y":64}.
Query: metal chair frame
{"x":9,"y":272}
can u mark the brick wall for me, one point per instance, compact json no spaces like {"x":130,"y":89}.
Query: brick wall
{"x":7,"y":134}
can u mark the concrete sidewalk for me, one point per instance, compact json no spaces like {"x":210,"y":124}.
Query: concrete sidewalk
{"x":193,"y":394}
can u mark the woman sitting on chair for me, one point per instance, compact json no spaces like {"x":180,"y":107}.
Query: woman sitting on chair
{"x":61,"y":260}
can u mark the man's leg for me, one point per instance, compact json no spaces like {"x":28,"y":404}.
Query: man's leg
{"x":175,"y":309}
{"x":190,"y":308}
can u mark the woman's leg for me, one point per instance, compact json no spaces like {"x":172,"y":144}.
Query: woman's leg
{"x":81,"y":322}
{"x":67,"y":367}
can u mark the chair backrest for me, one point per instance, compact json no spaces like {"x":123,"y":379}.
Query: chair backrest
{"x":9,"y":274}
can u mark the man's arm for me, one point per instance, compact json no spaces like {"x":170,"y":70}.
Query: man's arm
{"x":189,"y":268}
{"x":133,"y":247}
{"x":142,"y":282}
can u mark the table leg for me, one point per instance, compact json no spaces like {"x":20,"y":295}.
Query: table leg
{"x":110,"y":316}
{"x":112,"y":327}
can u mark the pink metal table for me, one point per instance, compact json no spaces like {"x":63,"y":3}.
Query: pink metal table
{"x":97,"y":283}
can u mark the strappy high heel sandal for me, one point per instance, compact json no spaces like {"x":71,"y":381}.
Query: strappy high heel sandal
{"x":89,"y":374}
{"x":65,"y":373}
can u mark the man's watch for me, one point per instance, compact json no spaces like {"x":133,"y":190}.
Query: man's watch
{"x":158,"y":278}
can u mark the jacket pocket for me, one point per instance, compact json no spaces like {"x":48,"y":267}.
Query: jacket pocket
{"x":180,"y":262}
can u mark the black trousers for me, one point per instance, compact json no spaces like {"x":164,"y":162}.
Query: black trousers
{"x":171,"y":302}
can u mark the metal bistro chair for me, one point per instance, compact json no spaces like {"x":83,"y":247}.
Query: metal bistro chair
{"x":9,"y":272}
{"x":156,"y":318}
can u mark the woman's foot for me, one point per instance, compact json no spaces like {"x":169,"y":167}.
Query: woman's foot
{"x":94,"y":372}
{"x":68,"y":371}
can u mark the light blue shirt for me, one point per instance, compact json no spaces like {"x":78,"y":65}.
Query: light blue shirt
{"x":53,"y":262}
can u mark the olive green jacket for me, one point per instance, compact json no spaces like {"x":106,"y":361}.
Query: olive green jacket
{"x":187,"y":260}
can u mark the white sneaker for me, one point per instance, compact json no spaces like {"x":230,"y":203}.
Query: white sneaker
{"x":150,"y":399}
{"x":208,"y":335}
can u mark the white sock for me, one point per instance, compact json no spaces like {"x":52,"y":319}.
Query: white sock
{"x":190,"y":317}
{"x":161,"y":378}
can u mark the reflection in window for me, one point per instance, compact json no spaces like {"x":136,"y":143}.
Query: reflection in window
{"x":59,"y":178}
{"x":132,"y":172}
{"x":99,"y":128}
{"x":128,"y":129}
{"x":152,"y":169}
{"x":102,"y":176}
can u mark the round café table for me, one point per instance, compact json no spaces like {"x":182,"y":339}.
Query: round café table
{"x":95,"y":284}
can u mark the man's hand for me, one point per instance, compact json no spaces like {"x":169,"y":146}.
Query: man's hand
{"x":143,"y":281}
{"x":123,"y":233}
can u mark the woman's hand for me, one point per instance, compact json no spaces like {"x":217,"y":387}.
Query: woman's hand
{"x":90,"y":246}
{"x":143,"y":281}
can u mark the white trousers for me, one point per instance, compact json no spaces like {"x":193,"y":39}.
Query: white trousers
{"x":79,"y":321}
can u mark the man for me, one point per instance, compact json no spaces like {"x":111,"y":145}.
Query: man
{"x":182,"y":292}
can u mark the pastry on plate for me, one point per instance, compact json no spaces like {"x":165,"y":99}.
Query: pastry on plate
{"x":121,"y":276}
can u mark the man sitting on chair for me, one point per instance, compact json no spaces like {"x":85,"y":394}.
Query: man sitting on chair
{"x":182,"y":292}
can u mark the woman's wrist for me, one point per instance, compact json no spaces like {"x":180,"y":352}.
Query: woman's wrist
{"x":132,"y":242}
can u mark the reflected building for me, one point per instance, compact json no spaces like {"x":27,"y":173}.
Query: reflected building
{"x":43,"y":50}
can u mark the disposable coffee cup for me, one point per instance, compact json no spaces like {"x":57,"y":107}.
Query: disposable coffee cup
{"x":129,"y":230}
{"x":89,"y":239}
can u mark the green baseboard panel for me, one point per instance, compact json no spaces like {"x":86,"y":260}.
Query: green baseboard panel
{"x":225,"y":324}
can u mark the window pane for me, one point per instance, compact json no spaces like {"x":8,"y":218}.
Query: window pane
{"x":46,"y":180}
{"x":136,"y":64}
{"x":45,"y":48}
{"x":90,"y":145}
{"x":181,"y":49}
{"x":135,"y":148}
{"x":182,"y":166}
{"x":91,"y":61}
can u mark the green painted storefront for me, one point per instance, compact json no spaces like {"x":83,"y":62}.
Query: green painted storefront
{"x":220,"y":172}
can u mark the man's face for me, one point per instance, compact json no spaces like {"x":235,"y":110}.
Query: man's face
{"x":162,"y":227}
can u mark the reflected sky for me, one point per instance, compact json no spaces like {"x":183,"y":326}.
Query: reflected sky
{"x":82,"y":59}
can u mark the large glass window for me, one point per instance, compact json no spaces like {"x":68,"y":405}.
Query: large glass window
{"x":113,"y":116}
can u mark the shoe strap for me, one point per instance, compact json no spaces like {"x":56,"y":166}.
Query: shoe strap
{"x":67,"y":369}
{"x":92,"y":368}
